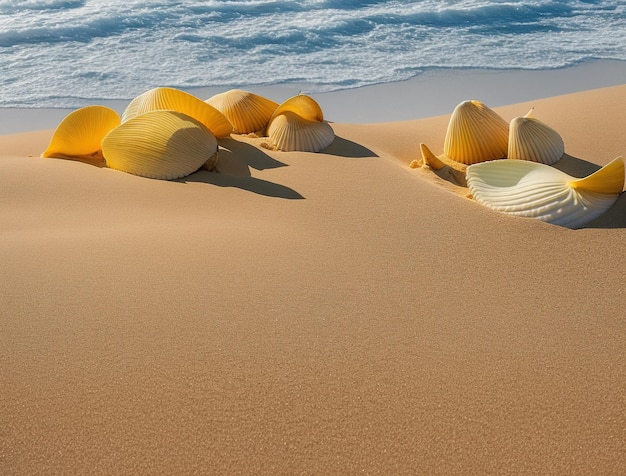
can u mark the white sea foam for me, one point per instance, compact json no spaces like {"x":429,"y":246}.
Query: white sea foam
{"x":56,"y":53}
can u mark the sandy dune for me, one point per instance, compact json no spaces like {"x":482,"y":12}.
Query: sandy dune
{"x":298,"y":313}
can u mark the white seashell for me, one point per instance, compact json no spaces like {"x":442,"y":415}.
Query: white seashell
{"x":80,"y":133}
{"x":169,"y":99}
{"x":530,"y":139}
{"x":246,"y":111}
{"x":531,"y":189}
{"x":291,"y":132}
{"x":475,"y":134}
{"x":159,"y":144}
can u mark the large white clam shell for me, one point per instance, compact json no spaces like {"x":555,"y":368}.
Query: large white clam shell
{"x":170,"y":99}
{"x":531,"y":189}
{"x":530,"y":139}
{"x":81,"y":132}
{"x":290,"y":132}
{"x":475,"y":134}
{"x":246,"y":111}
{"x":159,"y":144}
{"x":298,"y":125}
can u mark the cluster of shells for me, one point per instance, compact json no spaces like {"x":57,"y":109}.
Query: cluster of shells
{"x":508,"y":168}
{"x":166,"y":133}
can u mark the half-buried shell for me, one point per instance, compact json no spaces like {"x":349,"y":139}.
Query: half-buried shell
{"x":530,"y":139}
{"x":246,"y":111}
{"x":170,"y":99}
{"x":298,"y":125}
{"x":80,"y":133}
{"x":475,"y":134}
{"x":291,"y":132}
{"x":531,"y":189}
{"x":159,"y":144}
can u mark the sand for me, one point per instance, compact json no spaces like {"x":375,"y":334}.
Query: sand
{"x":332,"y":313}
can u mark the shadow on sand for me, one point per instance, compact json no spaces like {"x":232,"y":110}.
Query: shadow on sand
{"x":341,"y":147}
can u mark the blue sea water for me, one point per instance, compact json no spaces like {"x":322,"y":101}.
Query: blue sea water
{"x":69,"y":53}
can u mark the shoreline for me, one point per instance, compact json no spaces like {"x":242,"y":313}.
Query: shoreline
{"x":433,"y":93}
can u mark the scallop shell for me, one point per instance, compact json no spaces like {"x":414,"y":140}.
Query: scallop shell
{"x":530,"y":139}
{"x":159,"y":144}
{"x":246,"y":111}
{"x":298,"y":124}
{"x":475,"y":134}
{"x":80,"y":133}
{"x":304,"y":106}
{"x":531,"y":189}
{"x":170,"y":99}
{"x":291,"y":132}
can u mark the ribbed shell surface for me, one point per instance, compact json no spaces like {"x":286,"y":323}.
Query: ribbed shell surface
{"x":169,"y":99}
{"x":532,"y":140}
{"x":475,"y":134}
{"x":290,"y":132}
{"x":531,"y":189}
{"x":81,"y":132}
{"x":304,"y":106}
{"x":159,"y":144}
{"x":246,"y":111}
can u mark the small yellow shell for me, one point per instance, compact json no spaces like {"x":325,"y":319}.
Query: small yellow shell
{"x":80,"y":133}
{"x":290,"y":132}
{"x":159,"y":144}
{"x":475,"y":134}
{"x":170,"y":99}
{"x":531,"y":189}
{"x":530,"y":139}
{"x":304,"y":106}
{"x":246,"y":111}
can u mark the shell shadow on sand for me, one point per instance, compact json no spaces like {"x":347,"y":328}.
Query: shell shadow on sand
{"x":341,"y":147}
{"x":233,"y":170}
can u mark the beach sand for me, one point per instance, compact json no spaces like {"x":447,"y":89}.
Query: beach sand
{"x":298,"y":313}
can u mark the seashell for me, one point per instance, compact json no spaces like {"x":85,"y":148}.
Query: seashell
{"x":80,"y":133}
{"x":170,"y":99}
{"x":530,"y":139}
{"x":159,"y":144}
{"x":531,"y":189}
{"x":291,"y":132}
{"x":246,"y":111}
{"x":298,"y":124}
{"x":302,"y":105}
{"x":475,"y":134}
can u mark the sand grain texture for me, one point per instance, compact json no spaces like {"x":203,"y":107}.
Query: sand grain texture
{"x":301,"y":313}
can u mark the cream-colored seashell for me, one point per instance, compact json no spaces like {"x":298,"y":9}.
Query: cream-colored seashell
{"x":80,"y":133}
{"x":531,"y":189}
{"x":246,"y":111}
{"x":291,"y":132}
{"x":159,"y":144}
{"x":304,"y":106}
{"x":475,"y":134}
{"x":170,"y":99}
{"x":530,"y":139}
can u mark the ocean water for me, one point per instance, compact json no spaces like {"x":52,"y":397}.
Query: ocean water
{"x":70,"y":53}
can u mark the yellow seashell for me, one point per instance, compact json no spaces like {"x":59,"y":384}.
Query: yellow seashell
{"x":531,"y":189}
{"x":475,"y":134}
{"x":246,"y":111}
{"x":170,"y":99}
{"x":159,"y":144}
{"x":530,"y":139}
{"x":304,"y":106}
{"x":291,"y":132}
{"x":80,"y":133}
